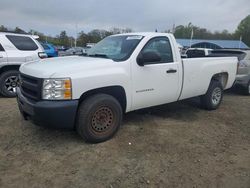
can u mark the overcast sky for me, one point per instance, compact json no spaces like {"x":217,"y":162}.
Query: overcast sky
{"x":53,"y":16}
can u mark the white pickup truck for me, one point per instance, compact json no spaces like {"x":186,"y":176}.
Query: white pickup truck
{"x":120,"y":74}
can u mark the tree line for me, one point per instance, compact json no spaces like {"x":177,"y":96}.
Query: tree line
{"x":241,"y":33}
{"x":181,"y":31}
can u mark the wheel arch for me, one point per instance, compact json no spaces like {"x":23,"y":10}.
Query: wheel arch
{"x":118,"y":92}
{"x":221,"y":77}
{"x":8,"y":68}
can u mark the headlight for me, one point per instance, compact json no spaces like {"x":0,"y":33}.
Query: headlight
{"x":57,"y":89}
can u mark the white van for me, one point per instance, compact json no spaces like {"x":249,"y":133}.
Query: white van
{"x":16,"y":49}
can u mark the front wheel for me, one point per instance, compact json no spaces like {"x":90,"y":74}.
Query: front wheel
{"x":99,"y":118}
{"x":8,"y":83}
{"x":212,"y":99}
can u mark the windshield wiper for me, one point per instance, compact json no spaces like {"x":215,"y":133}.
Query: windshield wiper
{"x":98,"y":55}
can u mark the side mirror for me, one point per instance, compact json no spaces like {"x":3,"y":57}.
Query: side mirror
{"x":147,"y":57}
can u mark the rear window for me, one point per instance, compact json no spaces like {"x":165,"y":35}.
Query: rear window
{"x":240,"y":55}
{"x":22,"y":42}
{"x":1,"y":48}
{"x":195,"y":53}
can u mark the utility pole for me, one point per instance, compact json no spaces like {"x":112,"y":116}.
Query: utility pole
{"x":240,"y":41}
{"x":173,"y":29}
{"x":76,"y":36}
{"x":191,"y":37}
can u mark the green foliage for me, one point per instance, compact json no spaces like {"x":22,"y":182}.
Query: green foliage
{"x":19,"y":30}
{"x":63,"y":39}
{"x":3,"y":29}
{"x":200,"y":33}
{"x":96,"y":35}
{"x":243,"y":30}
{"x":82,"y":39}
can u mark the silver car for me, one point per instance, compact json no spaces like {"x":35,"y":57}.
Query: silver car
{"x":73,"y":51}
{"x":243,"y":72}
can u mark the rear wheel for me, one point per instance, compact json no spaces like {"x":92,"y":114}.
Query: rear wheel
{"x":247,"y":89}
{"x":212,"y":99}
{"x":99,"y":118}
{"x":8,"y":83}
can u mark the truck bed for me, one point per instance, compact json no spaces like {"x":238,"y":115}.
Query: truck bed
{"x":198,"y":72}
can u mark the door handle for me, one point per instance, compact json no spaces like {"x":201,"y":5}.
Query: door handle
{"x":171,"y":71}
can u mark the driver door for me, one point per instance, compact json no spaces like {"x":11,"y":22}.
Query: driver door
{"x":159,"y":82}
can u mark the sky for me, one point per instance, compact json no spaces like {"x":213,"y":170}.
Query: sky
{"x":52,"y":16}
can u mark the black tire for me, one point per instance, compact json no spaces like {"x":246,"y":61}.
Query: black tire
{"x":212,"y":99}
{"x":5,"y":79}
{"x":99,"y":118}
{"x":247,"y":89}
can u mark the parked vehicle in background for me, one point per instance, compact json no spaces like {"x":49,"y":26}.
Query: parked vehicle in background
{"x":61,"y":48}
{"x":197,"y":52}
{"x":90,"y":45}
{"x":73,"y":51}
{"x":49,"y":49}
{"x":243,"y":72}
{"x":16,"y":49}
{"x":120,"y":74}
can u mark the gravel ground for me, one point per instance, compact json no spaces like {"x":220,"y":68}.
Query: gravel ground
{"x":175,"y":145}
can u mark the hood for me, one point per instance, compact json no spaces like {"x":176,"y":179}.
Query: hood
{"x":63,"y":66}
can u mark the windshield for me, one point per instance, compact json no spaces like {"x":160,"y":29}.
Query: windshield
{"x":118,"y":48}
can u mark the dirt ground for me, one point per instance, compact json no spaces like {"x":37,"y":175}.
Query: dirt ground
{"x":175,"y":145}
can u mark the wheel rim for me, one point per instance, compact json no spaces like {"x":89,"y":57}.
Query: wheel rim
{"x":216,"y":96}
{"x":102,"y":120}
{"x":11,"y":83}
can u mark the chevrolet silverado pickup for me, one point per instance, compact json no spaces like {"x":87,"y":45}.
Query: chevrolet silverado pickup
{"x":121,"y":73}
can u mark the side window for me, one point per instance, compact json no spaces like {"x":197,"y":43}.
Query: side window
{"x":22,"y":42}
{"x":195,"y":53}
{"x":45,"y":46}
{"x":1,"y":48}
{"x":160,"y":45}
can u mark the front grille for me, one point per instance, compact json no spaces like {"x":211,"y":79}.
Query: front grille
{"x":31,"y":87}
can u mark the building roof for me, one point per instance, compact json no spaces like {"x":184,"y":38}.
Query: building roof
{"x":221,"y":43}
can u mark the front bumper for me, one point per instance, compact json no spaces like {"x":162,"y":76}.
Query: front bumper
{"x":58,"y":114}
